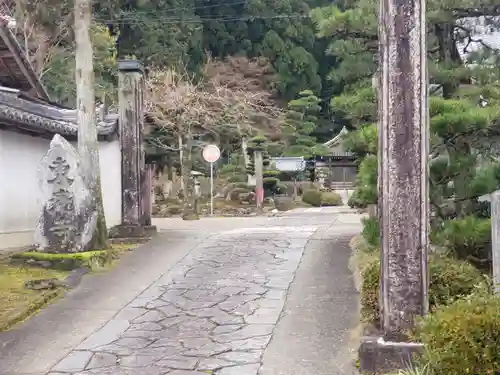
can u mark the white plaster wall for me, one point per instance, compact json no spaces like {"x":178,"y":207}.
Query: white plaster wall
{"x":111,"y":181}
{"x":19,"y":159}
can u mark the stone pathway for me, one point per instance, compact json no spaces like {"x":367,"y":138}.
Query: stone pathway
{"x":215,"y":313}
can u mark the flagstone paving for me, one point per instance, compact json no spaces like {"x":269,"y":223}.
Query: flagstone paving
{"x":223,"y":296}
{"x":214,"y":314}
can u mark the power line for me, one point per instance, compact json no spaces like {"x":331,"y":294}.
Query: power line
{"x":176,"y":20}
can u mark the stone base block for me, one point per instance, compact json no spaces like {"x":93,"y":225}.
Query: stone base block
{"x":132,"y":231}
{"x":379,"y":356}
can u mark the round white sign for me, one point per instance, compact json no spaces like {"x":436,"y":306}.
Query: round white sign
{"x":211,"y":153}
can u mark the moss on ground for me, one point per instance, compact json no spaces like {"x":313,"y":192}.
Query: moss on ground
{"x":16,"y":302}
{"x":51,"y":256}
{"x":91,"y":259}
{"x":94,"y":259}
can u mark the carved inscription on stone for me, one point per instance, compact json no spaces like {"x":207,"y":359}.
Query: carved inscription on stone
{"x":63,"y":200}
{"x":61,"y":206}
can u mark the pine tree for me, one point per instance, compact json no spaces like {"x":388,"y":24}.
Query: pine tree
{"x":300,"y":122}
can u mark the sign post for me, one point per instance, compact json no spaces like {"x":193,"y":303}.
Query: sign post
{"x":211,"y":154}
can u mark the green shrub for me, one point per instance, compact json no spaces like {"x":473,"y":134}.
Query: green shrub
{"x":271,"y":173}
{"x":362,"y":141}
{"x":463,"y":337}
{"x":362,"y":197}
{"x":241,"y":185}
{"x":237,"y":178}
{"x":312,"y":197}
{"x":355,"y":202}
{"x":229,"y":169}
{"x":371,"y":231}
{"x":370,"y":280}
{"x":306,"y":185}
{"x":449,"y":279}
{"x":468,"y":238}
{"x":331,"y":199}
{"x":366,"y":183}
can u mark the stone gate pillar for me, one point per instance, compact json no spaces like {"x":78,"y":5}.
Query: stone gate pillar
{"x":404,"y":153}
{"x":136,"y":215}
{"x":403,"y":183}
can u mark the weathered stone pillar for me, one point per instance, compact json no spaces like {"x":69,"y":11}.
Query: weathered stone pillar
{"x":131,"y":121}
{"x":136,"y":189}
{"x":403,"y":181}
{"x":404,"y":138}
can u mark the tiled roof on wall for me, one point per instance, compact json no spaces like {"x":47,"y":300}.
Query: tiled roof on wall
{"x":20,"y":112}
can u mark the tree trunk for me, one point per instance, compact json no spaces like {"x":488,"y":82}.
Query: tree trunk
{"x":181,"y":162}
{"x":189,"y":209}
{"x":295,"y":190}
{"x":448,"y":55}
{"x":170,"y":169}
{"x":41,"y":53}
{"x":88,"y":146}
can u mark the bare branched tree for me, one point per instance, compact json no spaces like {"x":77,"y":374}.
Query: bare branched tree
{"x":197,"y":112}
{"x":43,"y":27}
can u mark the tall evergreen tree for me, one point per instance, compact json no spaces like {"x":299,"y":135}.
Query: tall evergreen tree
{"x":300,"y":122}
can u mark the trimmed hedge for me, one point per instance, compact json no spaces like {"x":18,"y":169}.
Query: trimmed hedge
{"x":317,"y":198}
{"x":371,"y":231}
{"x":312,"y":197}
{"x":450,"y":279}
{"x":241,"y":185}
{"x":237,"y":178}
{"x":331,"y":199}
{"x":463,"y":337}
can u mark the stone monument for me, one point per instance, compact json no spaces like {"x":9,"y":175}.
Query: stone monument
{"x":64,"y":225}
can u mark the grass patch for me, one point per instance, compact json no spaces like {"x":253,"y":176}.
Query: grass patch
{"x":362,"y":255}
{"x":18,"y":303}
